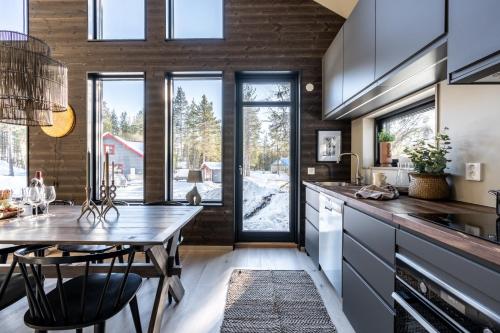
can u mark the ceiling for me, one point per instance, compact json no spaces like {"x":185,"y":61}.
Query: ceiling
{"x":341,"y":7}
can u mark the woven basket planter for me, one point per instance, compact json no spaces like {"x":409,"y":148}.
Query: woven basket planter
{"x":428,"y":186}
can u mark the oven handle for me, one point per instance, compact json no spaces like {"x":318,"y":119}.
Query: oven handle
{"x":412,"y":312}
{"x":473,"y":303}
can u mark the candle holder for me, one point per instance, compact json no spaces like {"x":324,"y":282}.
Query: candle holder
{"x":108,"y":192}
{"x":89,"y":206}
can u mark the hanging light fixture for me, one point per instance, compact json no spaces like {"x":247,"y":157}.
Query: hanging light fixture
{"x":32,"y":84}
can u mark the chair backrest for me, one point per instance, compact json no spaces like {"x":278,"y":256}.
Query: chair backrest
{"x":62,"y":203}
{"x":39,"y":306}
{"x":4,"y":252}
{"x":163,"y":203}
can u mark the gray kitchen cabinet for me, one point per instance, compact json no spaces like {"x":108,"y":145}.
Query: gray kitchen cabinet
{"x":333,"y":74}
{"x":362,"y":306}
{"x":312,"y":242}
{"x":404,"y":27}
{"x":377,"y":236}
{"x":359,"y":49}
{"x":474,"y":35}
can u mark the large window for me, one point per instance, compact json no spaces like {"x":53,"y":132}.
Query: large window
{"x":13,"y":138}
{"x":14,"y":15}
{"x":409,"y":125}
{"x":118,"y":128}
{"x":116,"y":19}
{"x":189,"y":19}
{"x":196,"y":140}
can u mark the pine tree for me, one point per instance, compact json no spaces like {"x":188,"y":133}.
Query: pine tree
{"x":180,"y":109}
{"x":251,"y":135}
{"x":115,"y":128}
{"x":124,"y":126}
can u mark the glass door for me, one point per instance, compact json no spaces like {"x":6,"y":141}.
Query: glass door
{"x":266,"y":157}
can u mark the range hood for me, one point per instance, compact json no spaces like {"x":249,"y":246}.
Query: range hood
{"x":421,"y":71}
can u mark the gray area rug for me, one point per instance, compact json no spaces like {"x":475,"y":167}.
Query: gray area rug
{"x":274,"y":301}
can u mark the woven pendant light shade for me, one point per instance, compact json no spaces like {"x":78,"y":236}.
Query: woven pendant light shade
{"x":32,"y":84}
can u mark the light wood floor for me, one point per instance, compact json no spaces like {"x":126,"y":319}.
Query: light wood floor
{"x":205,"y":275}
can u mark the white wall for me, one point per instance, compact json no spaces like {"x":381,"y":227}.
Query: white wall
{"x":472,"y":113}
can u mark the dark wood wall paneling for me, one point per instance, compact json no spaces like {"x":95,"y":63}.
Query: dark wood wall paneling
{"x":259,"y":35}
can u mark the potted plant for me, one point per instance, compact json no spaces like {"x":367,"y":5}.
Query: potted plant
{"x":429,"y":160}
{"x":385,"y":140}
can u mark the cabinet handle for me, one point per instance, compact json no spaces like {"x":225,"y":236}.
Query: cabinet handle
{"x":412,"y":312}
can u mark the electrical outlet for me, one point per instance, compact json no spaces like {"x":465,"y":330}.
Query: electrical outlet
{"x":473,"y":172}
{"x":311,"y":171}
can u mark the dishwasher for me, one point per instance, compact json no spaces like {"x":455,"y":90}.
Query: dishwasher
{"x":330,"y":239}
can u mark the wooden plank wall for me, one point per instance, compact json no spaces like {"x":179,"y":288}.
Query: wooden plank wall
{"x":259,"y":35}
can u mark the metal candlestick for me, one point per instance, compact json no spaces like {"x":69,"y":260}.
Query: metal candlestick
{"x":89,"y":206}
{"x":108,"y":192}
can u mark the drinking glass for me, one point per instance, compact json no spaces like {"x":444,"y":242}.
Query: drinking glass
{"x":18,"y":200}
{"x":49,"y":196}
{"x":34,"y":198}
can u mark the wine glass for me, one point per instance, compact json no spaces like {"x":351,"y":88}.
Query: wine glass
{"x":34,"y":198}
{"x":49,"y":196}
{"x":18,"y":200}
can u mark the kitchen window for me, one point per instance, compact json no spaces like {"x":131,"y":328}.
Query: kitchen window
{"x":196,"y":134}
{"x":409,"y":125}
{"x":195,"y":19}
{"x":14,"y":138}
{"x":117,"y":113}
{"x":116,"y":19}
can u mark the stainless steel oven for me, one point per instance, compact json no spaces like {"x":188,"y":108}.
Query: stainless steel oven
{"x":426,"y":303}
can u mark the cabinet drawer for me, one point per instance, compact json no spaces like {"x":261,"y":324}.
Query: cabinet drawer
{"x":377,"y":236}
{"x":465,"y":275}
{"x":312,"y":242}
{"x":378,"y":274}
{"x":312,"y":215}
{"x":312,"y":198}
{"x":364,"y":309}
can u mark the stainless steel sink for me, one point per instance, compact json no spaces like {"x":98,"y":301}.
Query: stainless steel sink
{"x":343,"y":184}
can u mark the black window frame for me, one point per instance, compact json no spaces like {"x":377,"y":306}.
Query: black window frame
{"x":169,"y":96}
{"x":92,"y":141}
{"x":169,"y":24}
{"x":414,"y":108}
{"x":294,"y":77}
{"x":95,"y":37}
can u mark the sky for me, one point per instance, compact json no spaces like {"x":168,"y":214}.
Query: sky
{"x":12,"y":15}
{"x":198,"y":18}
{"x":124,"y":96}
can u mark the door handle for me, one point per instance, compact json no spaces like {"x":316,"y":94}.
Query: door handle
{"x":240,"y":168}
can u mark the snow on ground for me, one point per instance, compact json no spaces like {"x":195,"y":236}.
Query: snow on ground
{"x":275,"y":215}
{"x":208,"y":190}
{"x":16,"y":182}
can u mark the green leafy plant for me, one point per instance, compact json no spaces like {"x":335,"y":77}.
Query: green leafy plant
{"x":385,"y":136}
{"x":430,"y":158}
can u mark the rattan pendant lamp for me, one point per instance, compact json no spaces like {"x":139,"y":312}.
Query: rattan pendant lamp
{"x":32,"y":84}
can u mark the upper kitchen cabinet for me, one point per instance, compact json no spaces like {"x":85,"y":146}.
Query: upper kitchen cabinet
{"x":474,"y":41}
{"x":333,"y":74}
{"x":359,"y":49}
{"x":403,"y":28}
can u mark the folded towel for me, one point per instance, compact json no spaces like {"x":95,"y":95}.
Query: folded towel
{"x":386,"y":192}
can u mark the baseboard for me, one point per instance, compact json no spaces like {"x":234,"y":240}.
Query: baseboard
{"x":265,"y":245}
{"x":183,"y":248}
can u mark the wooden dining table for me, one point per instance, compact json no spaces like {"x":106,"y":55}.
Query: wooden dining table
{"x":146,"y":228}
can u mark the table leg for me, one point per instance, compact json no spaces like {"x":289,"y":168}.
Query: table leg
{"x":163,"y":262}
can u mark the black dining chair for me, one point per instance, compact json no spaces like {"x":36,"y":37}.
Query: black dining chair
{"x":87,"y":300}
{"x":11,"y":284}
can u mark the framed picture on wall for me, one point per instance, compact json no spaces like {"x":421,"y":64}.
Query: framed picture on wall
{"x":328,"y":145}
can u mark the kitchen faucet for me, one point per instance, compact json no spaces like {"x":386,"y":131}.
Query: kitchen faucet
{"x":358,"y":175}
{"x":497,"y":195}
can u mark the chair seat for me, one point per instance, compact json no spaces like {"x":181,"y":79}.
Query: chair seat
{"x":76,"y":248}
{"x":73,"y":290}
{"x":15,"y":290}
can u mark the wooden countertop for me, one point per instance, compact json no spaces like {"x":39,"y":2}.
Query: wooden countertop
{"x":396,"y":212}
